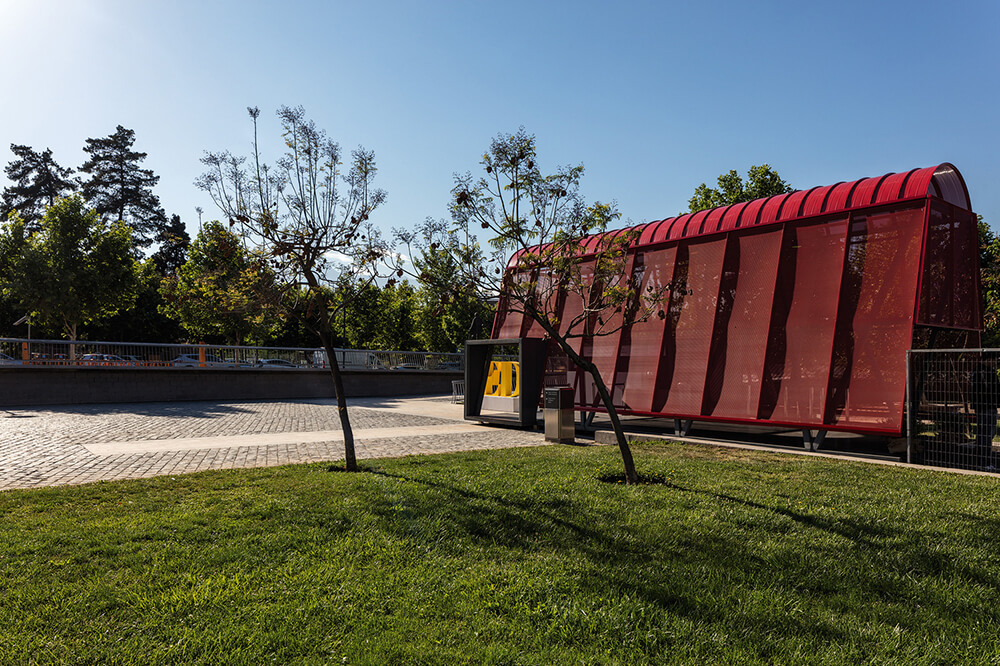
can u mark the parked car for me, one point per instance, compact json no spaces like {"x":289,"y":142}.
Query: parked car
{"x":349,"y":359}
{"x":49,"y":359}
{"x":102,"y":359}
{"x":8,"y":360}
{"x":408,"y":366}
{"x":277,"y":363}
{"x":192,"y":361}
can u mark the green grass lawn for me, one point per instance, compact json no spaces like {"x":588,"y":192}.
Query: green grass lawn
{"x":515,"y":556}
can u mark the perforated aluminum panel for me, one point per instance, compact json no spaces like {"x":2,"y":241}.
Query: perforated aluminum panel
{"x":806,"y":333}
{"x":738,"y":359}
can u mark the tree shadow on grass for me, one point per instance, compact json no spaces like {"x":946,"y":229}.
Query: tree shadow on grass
{"x":877,"y":560}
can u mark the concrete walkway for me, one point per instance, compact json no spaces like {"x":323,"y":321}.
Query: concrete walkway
{"x":84,"y":443}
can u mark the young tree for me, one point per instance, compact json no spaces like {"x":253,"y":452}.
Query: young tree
{"x":450,"y":312}
{"x":762,"y":181}
{"x":222,"y":290}
{"x":303,"y":211}
{"x":37,"y":182}
{"x":118,"y":188}
{"x":536,"y":223}
{"x":75,"y":269}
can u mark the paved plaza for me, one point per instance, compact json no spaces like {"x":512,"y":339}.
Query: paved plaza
{"x":51,"y":446}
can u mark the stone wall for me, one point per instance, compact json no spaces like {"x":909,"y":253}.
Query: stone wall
{"x":64,"y":385}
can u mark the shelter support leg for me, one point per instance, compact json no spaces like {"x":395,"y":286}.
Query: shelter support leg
{"x":813,"y":441}
{"x":587,"y":420}
{"x":682,"y":427}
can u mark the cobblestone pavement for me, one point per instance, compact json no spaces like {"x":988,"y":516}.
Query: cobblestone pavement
{"x":55,"y":445}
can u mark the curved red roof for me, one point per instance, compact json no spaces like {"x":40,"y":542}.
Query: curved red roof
{"x":942,"y":181}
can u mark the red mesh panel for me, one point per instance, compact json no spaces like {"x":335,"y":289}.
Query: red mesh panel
{"x":950,"y":284}
{"x":568,"y":307}
{"x":936,"y":284}
{"x":604,"y":351}
{"x":694,"y":315}
{"x":809,"y":327}
{"x":740,"y":359}
{"x":641,"y":342}
{"x":508,"y":324}
{"x":965,"y":310}
{"x":873,"y":340}
{"x":548,"y":304}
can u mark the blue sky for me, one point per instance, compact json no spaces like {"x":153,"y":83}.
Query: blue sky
{"x":652,"y":97}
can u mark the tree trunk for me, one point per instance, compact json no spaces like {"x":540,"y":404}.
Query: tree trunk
{"x":350,"y":460}
{"x":70,"y":328}
{"x":631,"y":477}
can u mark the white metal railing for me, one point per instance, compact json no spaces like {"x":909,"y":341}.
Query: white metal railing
{"x":55,"y":353}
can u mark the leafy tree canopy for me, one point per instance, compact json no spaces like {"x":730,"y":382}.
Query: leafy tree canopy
{"x":450,"y":311}
{"x":989,"y":263}
{"x":222,"y":290}
{"x":762,"y":181}
{"x":73,"y":270}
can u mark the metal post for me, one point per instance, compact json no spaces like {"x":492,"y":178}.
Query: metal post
{"x":909,"y":408}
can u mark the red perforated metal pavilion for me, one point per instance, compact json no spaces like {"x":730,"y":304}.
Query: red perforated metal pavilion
{"x":793,"y":310}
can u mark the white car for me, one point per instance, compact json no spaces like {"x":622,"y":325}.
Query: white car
{"x":8,"y":360}
{"x":192,"y":361}
{"x":276,"y":363}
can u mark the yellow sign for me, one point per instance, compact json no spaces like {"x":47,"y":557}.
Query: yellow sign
{"x":503,"y":380}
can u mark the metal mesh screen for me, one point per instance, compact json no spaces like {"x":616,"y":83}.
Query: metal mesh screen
{"x":691,"y":317}
{"x":950,"y":281}
{"x":809,"y":327}
{"x":875,"y":323}
{"x":604,"y":352}
{"x":939,"y":273}
{"x":738,"y":356}
{"x":954,"y":398}
{"x":644,"y":339}
{"x":965,"y":295}
{"x":570,"y":310}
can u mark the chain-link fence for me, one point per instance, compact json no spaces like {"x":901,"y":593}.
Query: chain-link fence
{"x":953,"y":397}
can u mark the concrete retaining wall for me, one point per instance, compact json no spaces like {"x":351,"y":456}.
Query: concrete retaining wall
{"x":64,"y":386}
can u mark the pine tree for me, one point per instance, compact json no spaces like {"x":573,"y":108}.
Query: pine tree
{"x":174,"y":243}
{"x":37,"y":182}
{"x":118,"y":188}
